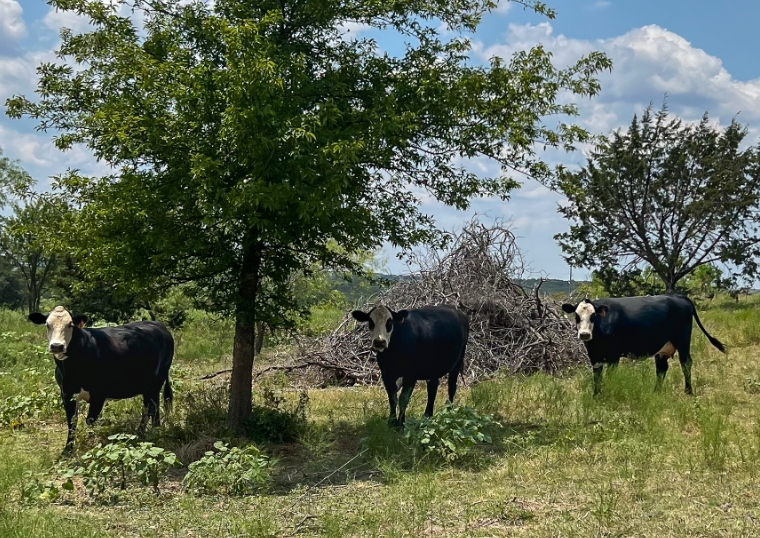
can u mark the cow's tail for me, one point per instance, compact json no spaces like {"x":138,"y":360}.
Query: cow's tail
{"x":462,"y":364}
{"x":168,"y":396}
{"x":714,"y":341}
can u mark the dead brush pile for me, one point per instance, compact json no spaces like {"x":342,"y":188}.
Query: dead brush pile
{"x":511,"y":329}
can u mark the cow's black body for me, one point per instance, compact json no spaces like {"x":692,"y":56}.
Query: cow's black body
{"x":116,"y":363}
{"x":642,"y":326}
{"x":429,"y":344}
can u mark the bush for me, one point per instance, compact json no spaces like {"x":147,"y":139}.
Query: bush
{"x":277,"y":421}
{"x":230,"y":471}
{"x":449,"y":434}
{"x":120,"y":462}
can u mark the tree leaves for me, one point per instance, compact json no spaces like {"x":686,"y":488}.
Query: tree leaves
{"x":672,"y":195}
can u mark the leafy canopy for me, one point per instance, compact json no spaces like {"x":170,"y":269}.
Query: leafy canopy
{"x":257,"y":124}
{"x":674,"y":196}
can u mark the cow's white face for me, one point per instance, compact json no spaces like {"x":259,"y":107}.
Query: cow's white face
{"x":60,"y":329}
{"x":586,"y":315}
{"x":380,"y":321}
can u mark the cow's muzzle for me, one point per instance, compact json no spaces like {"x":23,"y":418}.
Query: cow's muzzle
{"x":584,"y":336}
{"x":379,"y":345}
{"x":57,"y":348}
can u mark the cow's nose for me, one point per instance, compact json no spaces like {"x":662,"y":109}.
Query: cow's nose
{"x":584,"y":336}
{"x":379,"y":343}
{"x":57,"y":348}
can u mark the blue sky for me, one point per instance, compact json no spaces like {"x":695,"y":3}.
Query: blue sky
{"x":701,"y":53}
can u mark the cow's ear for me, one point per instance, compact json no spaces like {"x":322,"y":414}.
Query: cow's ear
{"x":602,"y":310}
{"x":37,"y":318}
{"x":400,"y":316}
{"x":568,"y":308}
{"x":80,"y":320}
{"x":360,"y":316}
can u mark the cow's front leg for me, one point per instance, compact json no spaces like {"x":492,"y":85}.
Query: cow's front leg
{"x":70,"y":406}
{"x":391,"y":387}
{"x":598,"y":369}
{"x":96,"y":407}
{"x":406,"y":394}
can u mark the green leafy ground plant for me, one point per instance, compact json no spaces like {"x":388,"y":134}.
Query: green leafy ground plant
{"x":230,"y":471}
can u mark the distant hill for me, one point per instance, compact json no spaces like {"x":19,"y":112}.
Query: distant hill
{"x":551,"y":286}
{"x":361,"y":288}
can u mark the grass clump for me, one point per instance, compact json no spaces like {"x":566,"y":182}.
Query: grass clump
{"x":230,"y":471}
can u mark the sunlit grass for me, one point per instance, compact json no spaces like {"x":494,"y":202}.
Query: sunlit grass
{"x":632,"y":462}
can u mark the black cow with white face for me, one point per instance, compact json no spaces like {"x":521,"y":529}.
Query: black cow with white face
{"x":111,"y":363}
{"x":415,"y":345}
{"x":648,"y":326}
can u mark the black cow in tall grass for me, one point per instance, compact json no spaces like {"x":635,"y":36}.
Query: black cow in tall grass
{"x":415,"y":345}
{"x":648,"y":326}
{"x":112,"y":363}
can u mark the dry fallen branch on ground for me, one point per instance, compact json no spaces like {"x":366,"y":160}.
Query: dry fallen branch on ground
{"x":510,"y":329}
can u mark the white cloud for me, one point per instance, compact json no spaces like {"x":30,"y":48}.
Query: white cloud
{"x":12,"y":27}
{"x":601,"y":4}
{"x":55,"y":19}
{"x":503,"y":6}
{"x":353,"y":29}
{"x":648,"y":63}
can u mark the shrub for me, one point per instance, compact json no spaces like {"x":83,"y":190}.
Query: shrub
{"x":276,"y":420}
{"x":449,"y":434}
{"x":120,"y":462}
{"x":230,"y":471}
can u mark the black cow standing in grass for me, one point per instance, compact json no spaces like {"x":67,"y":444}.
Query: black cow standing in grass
{"x":414,"y":345}
{"x":111,"y":363}
{"x":648,"y":326}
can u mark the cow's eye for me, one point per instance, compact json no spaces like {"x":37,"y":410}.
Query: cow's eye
{"x":371,"y":326}
{"x":389,"y":325}
{"x":577,"y":318}
{"x":592,"y":318}
{"x":71,"y":324}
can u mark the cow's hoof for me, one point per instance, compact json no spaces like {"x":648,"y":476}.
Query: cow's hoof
{"x":394,"y":423}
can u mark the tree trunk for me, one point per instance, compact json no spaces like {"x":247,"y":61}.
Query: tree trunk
{"x":244,"y":346}
{"x":259,"y":336}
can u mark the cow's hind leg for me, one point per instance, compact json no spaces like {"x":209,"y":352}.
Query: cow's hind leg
{"x":406,"y":395}
{"x":151,"y":410}
{"x":432,"y":392}
{"x":684,"y":356}
{"x":96,"y":407}
{"x":454,"y":378}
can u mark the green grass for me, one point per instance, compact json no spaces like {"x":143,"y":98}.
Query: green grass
{"x":631,"y":462}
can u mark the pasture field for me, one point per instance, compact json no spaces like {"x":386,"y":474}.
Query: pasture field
{"x":629,"y":463}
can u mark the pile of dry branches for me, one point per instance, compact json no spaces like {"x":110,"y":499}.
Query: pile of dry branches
{"x":511,"y":329}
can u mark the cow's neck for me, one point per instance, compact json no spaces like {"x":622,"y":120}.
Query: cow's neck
{"x":81,"y":344}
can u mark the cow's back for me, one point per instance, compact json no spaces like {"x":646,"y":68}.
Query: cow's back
{"x":428,"y":344}
{"x":640,"y":325}
{"x":127,"y":360}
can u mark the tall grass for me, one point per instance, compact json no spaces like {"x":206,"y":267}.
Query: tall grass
{"x":629,"y":462}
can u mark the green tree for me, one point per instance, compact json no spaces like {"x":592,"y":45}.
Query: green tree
{"x":247,"y":135}
{"x":672,"y":195}
{"x":24,"y":243}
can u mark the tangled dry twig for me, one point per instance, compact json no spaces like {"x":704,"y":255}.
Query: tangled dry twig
{"x":510,"y":329}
